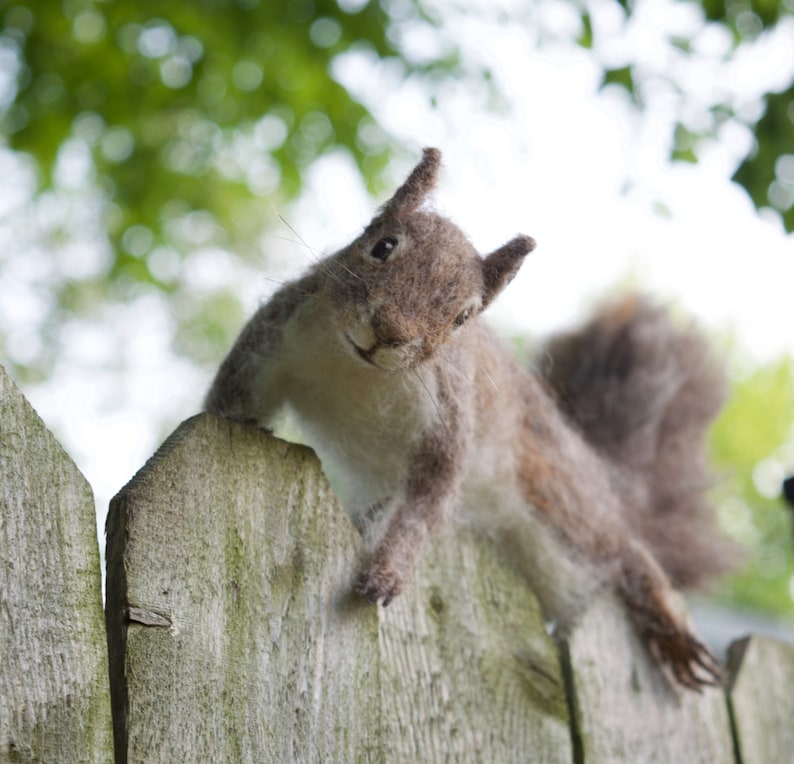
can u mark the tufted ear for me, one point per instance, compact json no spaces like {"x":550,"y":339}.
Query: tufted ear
{"x":499,"y":268}
{"x":409,"y":197}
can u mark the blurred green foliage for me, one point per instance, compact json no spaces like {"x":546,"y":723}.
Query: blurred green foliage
{"x":753,"y":446}
{"x":179,"y":126}
{"x":240,"y":95}
{"x":187,"y":119}
{"x":207,"y":105}
{"x":767,"y":172}
{"x":184,"y":119}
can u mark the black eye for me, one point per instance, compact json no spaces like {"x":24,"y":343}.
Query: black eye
{"x":383,"y":249}
{"x":463,"y":317}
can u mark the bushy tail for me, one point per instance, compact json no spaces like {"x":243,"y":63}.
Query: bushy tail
{"x":643,"y":390}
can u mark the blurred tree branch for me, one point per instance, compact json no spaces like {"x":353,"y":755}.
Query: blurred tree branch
{"x":161,"y":127}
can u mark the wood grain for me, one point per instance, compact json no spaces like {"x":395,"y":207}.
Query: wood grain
{"x":232,"y":632}
{"x":54,"y":698}
{"x":627,"y":710}
{"x":762,"y":699}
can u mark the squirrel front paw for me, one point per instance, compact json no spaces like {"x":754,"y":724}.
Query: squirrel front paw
{"x":692,"y":664}
{"x":381,"y":581}
{"x":661,"y":621}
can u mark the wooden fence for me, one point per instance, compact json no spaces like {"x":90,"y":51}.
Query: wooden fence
{"x":232,"y":635}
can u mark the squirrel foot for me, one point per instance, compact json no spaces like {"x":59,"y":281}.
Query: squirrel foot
{"x":379,"y":585}
{"x":382,"y":580}
{"x":692,"y":663}
{"x":662,"y":623}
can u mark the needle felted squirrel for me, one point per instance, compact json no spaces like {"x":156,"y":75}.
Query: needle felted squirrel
{"x":592,"y":475}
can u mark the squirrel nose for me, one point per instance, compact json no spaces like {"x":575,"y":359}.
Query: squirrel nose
{"x":387,"y":331}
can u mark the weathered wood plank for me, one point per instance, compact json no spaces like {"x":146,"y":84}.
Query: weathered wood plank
{"x":54,"y":698}
{"x":627,"y":711}
{"x":469,"y":672}
{"x":762,"y":699}
{"x":233,"y":635}
{"x":233,"y":632}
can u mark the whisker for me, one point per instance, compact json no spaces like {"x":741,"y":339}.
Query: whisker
{"x":442,"y":351}
{"x":286,"y":238}
{"x":432,"y":399}
{"x":448,"y":359}
{"x":320,"y":262}
{"x":352,"y":273}
{"x":490,"y":379}
{"x":317,"y":259}
{"x":299,"y":237}
{"x":289,"y":285}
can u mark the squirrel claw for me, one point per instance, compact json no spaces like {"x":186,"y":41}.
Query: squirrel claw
{"x":692,"y":664}
{"x":377,"y":587}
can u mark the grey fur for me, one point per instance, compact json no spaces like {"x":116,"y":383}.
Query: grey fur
{"x":380,"y":352}
{"x":643,"y":390}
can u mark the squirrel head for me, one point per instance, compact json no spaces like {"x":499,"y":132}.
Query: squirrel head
{"x":413,"y":280}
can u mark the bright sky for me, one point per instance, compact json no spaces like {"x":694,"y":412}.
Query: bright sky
{"x":554,"y":163}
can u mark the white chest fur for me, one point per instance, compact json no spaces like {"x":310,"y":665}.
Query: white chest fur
{"x":362,"y":420}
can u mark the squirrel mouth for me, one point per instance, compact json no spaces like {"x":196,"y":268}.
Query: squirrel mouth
{"x":365,"y":355}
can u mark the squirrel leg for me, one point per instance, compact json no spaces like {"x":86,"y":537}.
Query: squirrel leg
{"x":392,"y":563}
{"x":248,"y":387}
{"x":646,"y":591}
{"x":431,"y":492}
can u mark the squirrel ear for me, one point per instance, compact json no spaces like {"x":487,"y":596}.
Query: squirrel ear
{"x":500,"y":266}
{"x":409,"y":197}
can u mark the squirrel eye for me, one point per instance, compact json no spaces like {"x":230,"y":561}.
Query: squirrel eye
{"x":463,"y":317}
{"x":383,"y":249}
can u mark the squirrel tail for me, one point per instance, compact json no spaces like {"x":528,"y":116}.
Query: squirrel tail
{"x":643,"y":391}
